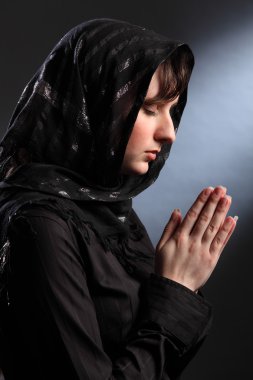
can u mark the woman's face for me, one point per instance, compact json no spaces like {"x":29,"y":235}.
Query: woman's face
{"x":152,"y":128}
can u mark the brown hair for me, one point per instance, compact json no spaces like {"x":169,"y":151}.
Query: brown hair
{"x":174,"y":75}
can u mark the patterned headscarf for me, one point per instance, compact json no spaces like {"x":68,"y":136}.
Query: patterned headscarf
{"x":75,"y":116}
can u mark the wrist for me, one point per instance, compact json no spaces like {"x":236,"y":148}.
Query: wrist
{"x":178,"y":281}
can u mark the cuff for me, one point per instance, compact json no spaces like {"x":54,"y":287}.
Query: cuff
{"x":179,"y":311}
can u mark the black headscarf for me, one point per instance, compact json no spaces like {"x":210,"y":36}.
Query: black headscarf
{"x":73,"y":122}
{"x":76,"y":114}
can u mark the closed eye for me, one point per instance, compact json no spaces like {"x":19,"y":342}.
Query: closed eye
{"x":174,"y":111}
{"x":148,"y":112}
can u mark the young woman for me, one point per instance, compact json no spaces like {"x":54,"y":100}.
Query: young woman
{"x":84,"y":295}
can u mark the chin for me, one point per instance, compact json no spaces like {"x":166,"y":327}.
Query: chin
{"x":135,"y":167}
{"x":140,"y":169}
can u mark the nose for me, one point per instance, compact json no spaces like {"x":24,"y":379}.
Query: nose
{"x":165,"y":131}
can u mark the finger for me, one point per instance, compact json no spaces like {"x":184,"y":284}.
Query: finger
{"x":222,"y":236}
{"x":170,"y":228}
{"x":192,"y":216}
{"x":231,"y":230}
{"x":218,"y":219}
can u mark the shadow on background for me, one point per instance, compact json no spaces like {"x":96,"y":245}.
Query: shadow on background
{"x":214,"y":142}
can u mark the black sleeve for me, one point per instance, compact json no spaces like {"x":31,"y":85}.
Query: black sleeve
{"x":55,"y":312}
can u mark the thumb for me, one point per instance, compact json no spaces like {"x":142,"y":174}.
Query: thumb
{"x":170,"y":228}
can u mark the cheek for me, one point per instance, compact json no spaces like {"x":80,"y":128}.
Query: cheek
{"x":138,"y":134}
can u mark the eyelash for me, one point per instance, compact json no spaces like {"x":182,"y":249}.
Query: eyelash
{"x":148,"y":112}
{"x":152,"y":113}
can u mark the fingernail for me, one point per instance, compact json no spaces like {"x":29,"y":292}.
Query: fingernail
{"x":208,"y":190}
{"x":219,"y":189}
{"x":236,"y":218}
{"x":174,"y":215}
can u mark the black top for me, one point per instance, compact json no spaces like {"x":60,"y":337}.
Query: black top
{"x":75,"y":312}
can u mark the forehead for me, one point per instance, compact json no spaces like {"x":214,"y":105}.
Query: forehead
{"x":154,"y":85}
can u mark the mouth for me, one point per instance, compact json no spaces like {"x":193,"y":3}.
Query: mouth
{"x":153,"y":151}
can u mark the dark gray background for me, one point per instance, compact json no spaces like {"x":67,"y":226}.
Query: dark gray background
{"x":214,"y":142}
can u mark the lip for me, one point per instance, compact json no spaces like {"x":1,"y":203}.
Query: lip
{"x":153,"y":151}
{"x":151,"y":155}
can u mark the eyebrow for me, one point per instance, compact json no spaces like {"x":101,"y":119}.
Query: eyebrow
{"x":150,"y":101}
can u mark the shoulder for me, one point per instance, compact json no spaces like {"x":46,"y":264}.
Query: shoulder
{"x":38,"y":217}
{"x":42,"y":236}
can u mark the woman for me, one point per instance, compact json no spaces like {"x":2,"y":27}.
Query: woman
{"x":84,"y":294}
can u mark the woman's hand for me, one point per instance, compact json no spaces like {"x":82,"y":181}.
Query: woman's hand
{"x":189,"y":249}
